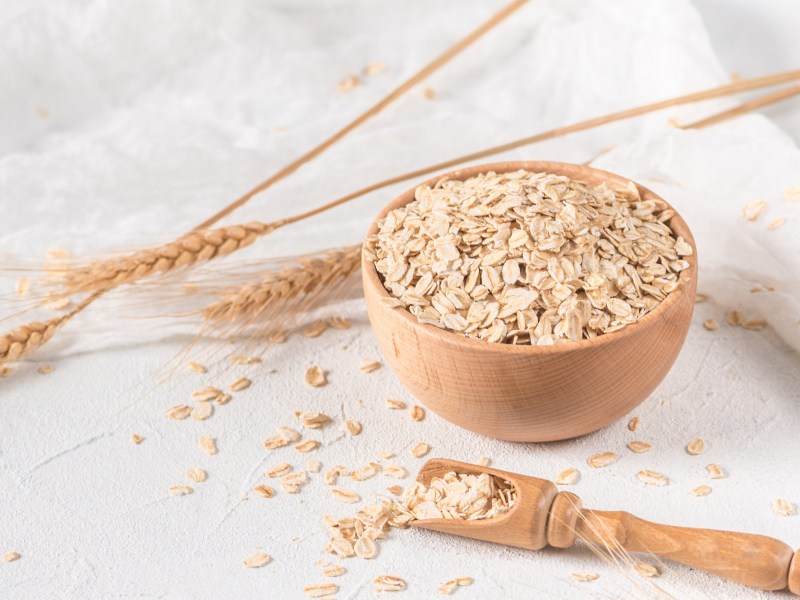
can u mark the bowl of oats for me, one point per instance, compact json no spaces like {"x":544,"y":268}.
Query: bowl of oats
{"x":530,"y":301}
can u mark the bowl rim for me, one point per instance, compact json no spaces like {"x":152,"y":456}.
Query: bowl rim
{"x":676,"y":223}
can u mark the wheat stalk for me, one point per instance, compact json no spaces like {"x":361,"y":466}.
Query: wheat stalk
{"x":433,"y":66}
{"x":303,"y":282}
{"x":186,"y":251}
{"x":30,"y":336}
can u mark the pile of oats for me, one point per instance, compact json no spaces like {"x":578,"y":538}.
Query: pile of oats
{"x":453,"y":496}
{"x":528,"y":258}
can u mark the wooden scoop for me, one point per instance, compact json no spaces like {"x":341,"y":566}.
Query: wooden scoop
{"x":542,"y":516}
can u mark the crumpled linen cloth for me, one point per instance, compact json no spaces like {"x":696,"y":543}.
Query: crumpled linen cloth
{"x":124,"y":124}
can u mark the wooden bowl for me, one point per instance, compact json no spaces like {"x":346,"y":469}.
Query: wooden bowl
{"x":532,"y":393}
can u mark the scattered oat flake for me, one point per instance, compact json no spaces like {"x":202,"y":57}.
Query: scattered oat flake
{"x":420,"y":450}
{"x":197,"y":474}
{"x":275,"y":442}
{"x":180,"y":490}
{"x":5,"y":371}
{"x":776,"y":223}
{"x":21,"y":287}
{"x":396,"y":404}
{"x":715,"y":471}
{"x":387,"y":455}
{"x":365,"y":547}
{"x":348,"y":83}
{"x":646,"y":570}
{"x":388,"y":583}
{"x":395,"y":471}
{"x":484,"y":461}
{"x":289,"y":434}
{"x":370,"y":366}
{"x":264,"y":491}
{"x":55,"y":253}
{"x":240,"y":384}
{"x":313,"y":466}
{"x":374,"y":68}
{"x":429,"y":93}
{"x":585,"y":576}
{"x":792,"y":193}
{"x":317,"y":590}
{"x":315,"y":377}
{"x":391,"y":302}
{"x":223,"y":399}
{"x":448,"y":587}
{"x":351,"y":427}
{"x":46,"y":369}
{"x":417,"y":413}
{"x":278,"y":336}
{"x":755,"y":324}
{"x":207,"y":444}
{"x":753,"y":210}
{"x":307,"y":446}
{"x":634,"y":423}
{"x":202,"y":411}
{"x":711,"y":324}
{"x":11,"y":556}
{"x":206,"y":393}
{"x":136,"y":439}
{"x":700,"y":298}
{"x":196,"y":367}
{"x":312,"y":420}
{"x":179,"y":412}
{"x":734,"y":318}
{"x":464,"y":581}
{"x":279,"y":470}
{"x":395,"y":490}
{"x":783,"y":507}
{"x":603,"y":459}
{"x":652,"y":478}
{"x":568,"y":477}
{"x":345,"y":495}
{"x":639,"y":446}
{"x":701,"y":490}
{"x":316,"y":329}
{"x":696,"y":446}
{"x":331,"y":569}
{"x":259,"y":559}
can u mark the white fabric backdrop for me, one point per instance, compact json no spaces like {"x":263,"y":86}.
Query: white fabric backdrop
{"x":125,"y":123}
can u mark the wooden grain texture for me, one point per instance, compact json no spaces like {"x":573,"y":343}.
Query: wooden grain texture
{"x":540,"y":517}
{"x":527,"y":393}
{"x":755,"y":560}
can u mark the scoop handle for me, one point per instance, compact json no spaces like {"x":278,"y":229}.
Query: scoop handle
{"x":755,"y":560}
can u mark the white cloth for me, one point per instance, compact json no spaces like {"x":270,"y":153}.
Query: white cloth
{"x":123,"y":124}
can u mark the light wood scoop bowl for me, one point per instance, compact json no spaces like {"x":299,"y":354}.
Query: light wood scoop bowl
{"x":542,"y":516}
{"x":527,"y":393}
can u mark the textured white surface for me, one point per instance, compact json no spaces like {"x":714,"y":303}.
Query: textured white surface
{"x":159,"y":113}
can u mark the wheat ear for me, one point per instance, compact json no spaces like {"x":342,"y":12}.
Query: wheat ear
{"x":186,"y":251}
{"x":28,"y":337}
{"x":302,"y":283}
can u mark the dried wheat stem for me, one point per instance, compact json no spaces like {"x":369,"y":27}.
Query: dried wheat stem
{"x":404,"y":87}
{"x":297,"y":283}
{"x":192,"y":248}
{"x":744,"y":107}
{"x":716,"y":92}
{"x":27,"y":338}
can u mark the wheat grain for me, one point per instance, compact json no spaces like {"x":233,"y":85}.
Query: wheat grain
{"x":298,"y":283}
{"x":652,"y":478}
{"x":634,"y":423}
{"x":711,"y":324}
{"x":307,"y":446}
{"x":585,"y":576}
{"x":206,"y":394}
{"x":396,"y":404}
{"x":46,"y":369}
{"x":240,"y":384}
{"x":179,"y":412}
{"x":701,"y":490}
{"x":196,"y":367}
{"x":317,"y":590}
{"x":186,"y":251}
{"x":639,"y":446}
{"x":370,"y":366}
{"x":264,"y":491}
{"x":24,"y":339}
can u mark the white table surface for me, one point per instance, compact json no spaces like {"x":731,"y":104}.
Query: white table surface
{"x":129,"y":123}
